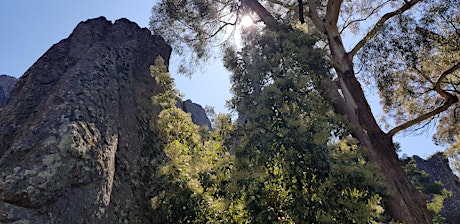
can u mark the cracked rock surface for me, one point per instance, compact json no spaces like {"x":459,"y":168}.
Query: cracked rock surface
{"x":75,"y":142}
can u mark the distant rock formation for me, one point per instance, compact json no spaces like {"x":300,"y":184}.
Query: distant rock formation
{"x":75,"y":142}
{"x":196,"y":111}
{"x":437,"y":166}
{"x":6,"y":85}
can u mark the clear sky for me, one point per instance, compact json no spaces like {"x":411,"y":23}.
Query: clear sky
{"x":30,"y":27}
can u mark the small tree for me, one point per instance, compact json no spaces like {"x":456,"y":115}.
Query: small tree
{"x":197,"y":167}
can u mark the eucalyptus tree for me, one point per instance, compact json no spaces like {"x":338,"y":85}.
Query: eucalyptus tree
{"x":287,"y":168}
{"x":410,"y":51}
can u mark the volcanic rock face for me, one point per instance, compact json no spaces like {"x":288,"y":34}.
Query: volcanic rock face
{"x":437,"y":166}
{"x":75,"y":142}
{"x":6,"y":85}
{"x":196,"y":111}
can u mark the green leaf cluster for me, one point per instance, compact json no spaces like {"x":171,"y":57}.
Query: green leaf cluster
{"x":413,"y":60}
{"x":197,"y":167}
{"x":286,"y":163}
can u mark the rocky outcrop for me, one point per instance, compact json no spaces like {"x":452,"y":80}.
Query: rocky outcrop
{"x":6,"y":85}
{"x":437,"y":166}
{"x":75,"y":141}
{"x":196,"y":111}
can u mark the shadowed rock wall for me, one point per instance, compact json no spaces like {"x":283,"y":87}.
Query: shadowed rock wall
{"x":437,"y":166}
{"x":75,"y":143}
{"x":6,"y":84}
{"x":196,"y":111}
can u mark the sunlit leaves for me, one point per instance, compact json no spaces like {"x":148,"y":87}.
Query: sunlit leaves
{"x":197,"y":168}
{"x":167,"y":98}
{"x":291,"y":175}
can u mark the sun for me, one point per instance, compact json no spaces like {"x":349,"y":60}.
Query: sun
{"x":246,"y":21}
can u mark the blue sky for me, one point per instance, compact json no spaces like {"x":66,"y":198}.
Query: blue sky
{"x":30,"y":27}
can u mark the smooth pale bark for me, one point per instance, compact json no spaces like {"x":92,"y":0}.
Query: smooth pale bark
{"x":404,"y":203}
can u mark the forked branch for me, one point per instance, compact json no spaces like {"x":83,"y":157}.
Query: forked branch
{"x":441,"y":78}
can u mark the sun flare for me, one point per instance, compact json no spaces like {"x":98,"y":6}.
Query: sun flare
{"x":246,"y":21}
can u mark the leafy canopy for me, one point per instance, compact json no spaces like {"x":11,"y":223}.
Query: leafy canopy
{"x":287,"y":167}
{"x":409,"y":49}
{"x":279,"y":165}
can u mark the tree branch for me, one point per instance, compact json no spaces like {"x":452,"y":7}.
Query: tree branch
{"x":262,"y":12}
{"x":450,"y":100}
{"x":301,"y":18}
{"x":379,"y":25}
{"x":363,"y":18}
{"x":225,"y":24}
{"x":449,"y":71}
{"x":314,"y":16}
{"x":278,"y":2}
{"x":332,"y":11}
{"x":421,"y":73}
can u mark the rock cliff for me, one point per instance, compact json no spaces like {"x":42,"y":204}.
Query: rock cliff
{"x":6,"y":85}
{"x":75,"y":141}
{"x":437,"y":166}
{"x":196,"y":111}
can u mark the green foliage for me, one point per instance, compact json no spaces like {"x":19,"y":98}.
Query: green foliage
{"x":198,"y":167}
{"x":166,"y":99}
{"x":280,"y":165}
{"x":453,"y":152}
{"x":411,"y":59}
{"x":284,"y":165}
{"x":274,"y":84}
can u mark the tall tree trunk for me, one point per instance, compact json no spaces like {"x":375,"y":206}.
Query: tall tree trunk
{"x":405,"y":203}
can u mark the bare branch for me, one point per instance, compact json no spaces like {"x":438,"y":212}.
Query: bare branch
{"x":225,"y":24}
{"x":365,"y":17}
{"x":379,"y":24}
{"x":421,"y":73}
{"x":281,"y":3}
